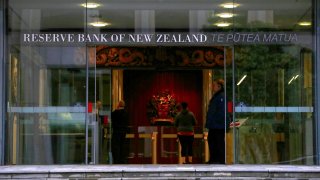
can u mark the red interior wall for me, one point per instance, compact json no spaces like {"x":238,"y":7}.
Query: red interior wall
{"x":140,"y":85}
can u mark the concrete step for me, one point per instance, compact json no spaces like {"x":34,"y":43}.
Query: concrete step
{"x":159,"y":172}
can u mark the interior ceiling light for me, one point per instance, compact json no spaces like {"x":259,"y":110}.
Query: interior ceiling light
{"x":90,"y":5}
{"x":223,"y":24}
{"x":230,"y":5}
{"x":225,"y":15}
{"x":305,"y":23}
{"x":100,"y":24}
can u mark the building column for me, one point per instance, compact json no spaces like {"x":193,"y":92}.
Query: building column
{"x":144,"y":21}
{"x":198,"y":19}
{"x":317,"y":80}
{"x":2,"y":85}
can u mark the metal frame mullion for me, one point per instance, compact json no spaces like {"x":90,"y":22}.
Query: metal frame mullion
{"x":316,"y":51}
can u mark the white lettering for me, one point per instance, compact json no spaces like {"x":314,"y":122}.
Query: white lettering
{"x":55,"y":38}
{"x":274,"y":38}
{"x":122,"y":36}
{"x":114,"y":37}
{"x":256,"y":38}
{"x":159,"y":37}
{"x":132,"y":38}
{"x":174,"y":39}
{"x":63,"y":37}
{"x":214,"y":37}
{"x":96,"y":38}
{"x":41,"y":38}
{"x":220,"y":37}
{"x":280,"y":36}
{"x":148,"y":37}
{"x":266,"y":38}
{"x":139,"y":38}
{"x":236,"y":37}
{"x":195,"y":37}
{"x":203,"y":38}
{"x":240,"y":37}
{"x":187,"y":38}
{"x":80,"y":37}
{"x":294,"y":38}
{"x":70,"y":38}
{"x":166,"y":38}
{"x":88,"y":38}
{"x":250,"y":38}
{"x":26,"y":37}
{"x":229,"y":37}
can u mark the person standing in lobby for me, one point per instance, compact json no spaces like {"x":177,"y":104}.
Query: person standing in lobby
{"x":215,"y":123}
{"x":119,"y":123}
{"x":185,"y":122}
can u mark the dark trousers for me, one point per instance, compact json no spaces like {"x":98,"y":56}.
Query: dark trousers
{"x":118,"y":148}
{"x":216,"y":146}
{"x":186,"y":145}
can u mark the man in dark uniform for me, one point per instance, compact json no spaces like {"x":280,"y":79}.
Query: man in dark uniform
{"x":215,"y":123}
{"x":119,"y":123}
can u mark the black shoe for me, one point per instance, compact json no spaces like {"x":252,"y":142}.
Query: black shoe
{"x":210,"y":162}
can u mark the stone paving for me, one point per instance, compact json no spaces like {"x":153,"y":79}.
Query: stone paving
{"x":159,"y":172}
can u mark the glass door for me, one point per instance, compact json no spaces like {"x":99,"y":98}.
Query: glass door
{"x":273,"y":84}
{"x":104,"y":92}
{"x":99,"y":113}
{"x":60,"y":94}
{"x":273,"y":104}
{"x":46,"y":95}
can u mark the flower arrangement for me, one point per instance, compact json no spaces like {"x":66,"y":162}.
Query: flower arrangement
{"x":161,"y":108}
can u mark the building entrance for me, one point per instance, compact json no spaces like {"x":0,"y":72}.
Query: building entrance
{"x":177,"y":76}
{"x":153,"y":99}
{"x":62,"y":79}
{"x":67,"y":107}
{"x":257,"y":111}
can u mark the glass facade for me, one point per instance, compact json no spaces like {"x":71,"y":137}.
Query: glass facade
{"x":68,"y":64}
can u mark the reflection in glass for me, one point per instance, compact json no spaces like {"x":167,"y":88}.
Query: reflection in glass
{"x":274,"y":102}
{"x":46,"y":115}
{"x":47,"y":85}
